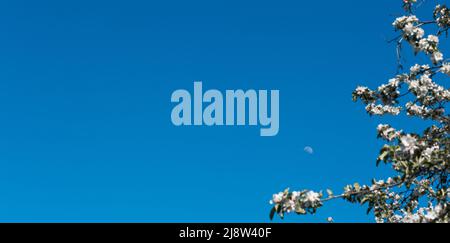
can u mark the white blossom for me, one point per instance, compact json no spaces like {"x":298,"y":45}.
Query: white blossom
{"x":277,"y":198}
{"x":387,"y":132}
{"x":382,"y":109}
{"x":415,"y":69}
{"x":409,"y":143}
{"x":312,"y":197}
{"x":437,"y":57}
{"x":428,"y":152}
{"x":445,"y":69}
{"x":433,"y":39}
{"x":422,"y":215}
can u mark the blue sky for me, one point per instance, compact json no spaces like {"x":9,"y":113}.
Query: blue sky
{"x":85,"y":86}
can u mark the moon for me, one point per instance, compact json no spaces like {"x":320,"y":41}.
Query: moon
{"x":308,"y":150}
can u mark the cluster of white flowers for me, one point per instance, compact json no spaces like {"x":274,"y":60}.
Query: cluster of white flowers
{"x":387,"y":132}
{"x":382,"y":109}
{"x":417,"y":110}
{"x":428,"y":152}
{"x":409,"y":143}
{"x":430,"y":46}
{"x":426,"y":90}
{"x":423,"y":215}
{"x":416,"y":69}
{"x":365,"y":94}
{"x":389,"y":92}
{"x":442,"y":16}
{"x":277,"y":198}
{"x":445,"y":69}
{"x":312,"y":198}
{"x":361,"y":90}
{"x":414,"y":35}
{"x":300,"y":202}
{"x":284,"y":200}
{"x":402,"y":21}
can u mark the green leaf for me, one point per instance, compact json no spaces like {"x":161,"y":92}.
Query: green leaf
{"x":300,"y":210}
{"x":369,"y":209}
{"x":364,"y":200}
{"x":382,"y":157}
{"x":272,"y":213}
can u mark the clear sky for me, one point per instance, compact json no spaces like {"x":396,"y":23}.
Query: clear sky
{"x":85,"y":86}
